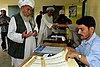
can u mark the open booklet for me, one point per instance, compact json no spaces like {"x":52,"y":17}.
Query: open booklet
{"x":57,"y":60}
{"x":48,"y":49}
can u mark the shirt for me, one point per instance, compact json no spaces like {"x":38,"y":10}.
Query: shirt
{"x":30,"y":42}
{"x":3,"y":19}
{"x":45,"y":28}
{"x":91,"y":49}
{"x":73,"y":34}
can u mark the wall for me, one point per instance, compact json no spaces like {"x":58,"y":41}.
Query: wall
{"x":5,"y":3}
{"x":40,"y":3}
{"x":78,"y":11}
{"x":93,"y":9}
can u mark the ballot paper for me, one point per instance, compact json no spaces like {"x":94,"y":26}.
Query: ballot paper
{"x":48,"y":49}
{"x":57,"y":60}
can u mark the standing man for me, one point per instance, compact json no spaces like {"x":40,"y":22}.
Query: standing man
{"x":38,"y":19}
{"x":4,"y":22}
{"x":21,"y":33}
{"x":47,"y":25}
{"x":62,"y":20}
{"x":88,"y":52}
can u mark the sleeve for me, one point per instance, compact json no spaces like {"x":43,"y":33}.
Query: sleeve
{"x":72,"y":27}
{"x":34,"y":25}
{"x":17,"y":37}
{"x":8,"y":19}
{"x":94,"y":57}
{"x":48,"y":24}
{"x":77,"y":48}
{"x":80,"y":48}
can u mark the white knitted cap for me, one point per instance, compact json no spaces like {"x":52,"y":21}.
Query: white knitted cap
{"x":50,"y":8}
{"x":26,"y":2}
{"x":3,"y":9}
{"x":61,"y":12}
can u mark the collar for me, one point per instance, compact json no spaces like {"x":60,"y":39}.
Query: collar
{"x":90,"y":41}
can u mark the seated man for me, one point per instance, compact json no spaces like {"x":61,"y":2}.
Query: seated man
{"x":88,"y":52}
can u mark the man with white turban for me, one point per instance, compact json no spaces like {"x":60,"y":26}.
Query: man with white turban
{"x":21,"y":33}
{"x":47,"y":25}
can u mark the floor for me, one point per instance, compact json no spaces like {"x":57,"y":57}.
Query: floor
{"x":5,"y":60}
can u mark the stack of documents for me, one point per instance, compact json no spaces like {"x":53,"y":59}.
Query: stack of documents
{"x":57,"y":60}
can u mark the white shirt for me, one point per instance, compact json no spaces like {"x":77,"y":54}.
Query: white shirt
{"x":30,"y":42}
{"x":45,"y":28}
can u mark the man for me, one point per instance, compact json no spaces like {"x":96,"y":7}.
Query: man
{"x":62,"y":22}
{"x":88,"y":52}
{"x":4,"y":22}
{"x":47,"y":25}
{"x":38,"y":20}
{"x":62,"y":19}
{"x":21,"y":33}
{"x":65,"y":26}
{"x":72,"y":35}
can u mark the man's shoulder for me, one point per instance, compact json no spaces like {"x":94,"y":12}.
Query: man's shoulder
{"x":97,"y":40}
{"x":39,"y":16}
{"x":96,"y":44}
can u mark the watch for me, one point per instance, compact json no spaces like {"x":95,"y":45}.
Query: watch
{"x":79,"y":56}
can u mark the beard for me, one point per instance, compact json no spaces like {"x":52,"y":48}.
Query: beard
{"x":26,"y":19}
{"x":85,"y":37}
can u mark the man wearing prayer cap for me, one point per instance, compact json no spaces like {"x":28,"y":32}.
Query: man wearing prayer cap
{"x":50,"y":8}
{"x":61,"y":12}
{"x":21,"y":33}
{"x":47,"y":26}
{"x":26,"y":2}
{"x":4,"y":22}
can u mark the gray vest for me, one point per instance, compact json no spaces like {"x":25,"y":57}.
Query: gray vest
{"x":15,"y":49}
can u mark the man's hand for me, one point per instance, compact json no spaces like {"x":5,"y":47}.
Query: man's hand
{"x":25,"y":34}
{"x":71,"y":53}
{"x":1,"y":24}
{"x":54,"y":26}
{"x":5,"y":23}
{"x":34,"y":33}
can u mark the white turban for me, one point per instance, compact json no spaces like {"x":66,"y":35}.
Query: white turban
{"x":3,"y":9}
{"x":61,"y":12}
{"x":50,"y":8}
{"x":26,"y":2}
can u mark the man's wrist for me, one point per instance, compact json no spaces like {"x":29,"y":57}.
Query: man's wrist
{"x":79,"y":56}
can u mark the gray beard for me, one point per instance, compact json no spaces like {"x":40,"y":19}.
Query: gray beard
{"x":26,"y":19}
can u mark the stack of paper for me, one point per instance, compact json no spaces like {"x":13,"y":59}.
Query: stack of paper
{"x":57,"y":60}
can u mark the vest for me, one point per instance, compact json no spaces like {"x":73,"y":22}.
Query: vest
{"x":15,"y":49}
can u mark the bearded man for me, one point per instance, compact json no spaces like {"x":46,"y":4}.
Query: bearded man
{"x":21,"y":33}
